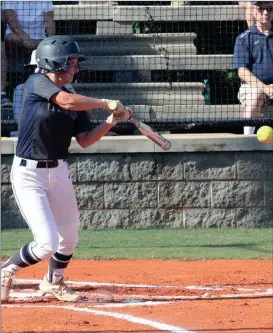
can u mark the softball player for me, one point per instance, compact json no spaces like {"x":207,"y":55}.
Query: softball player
{"x":50,"y":117}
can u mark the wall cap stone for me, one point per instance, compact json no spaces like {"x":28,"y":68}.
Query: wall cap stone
{"x":180,"y":143}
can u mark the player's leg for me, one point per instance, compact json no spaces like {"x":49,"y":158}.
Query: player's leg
{"x":64,"y":208}
{"x":30,"y":188}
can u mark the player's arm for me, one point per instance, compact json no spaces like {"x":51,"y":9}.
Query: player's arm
{"x":77,"y":102}
{"x":88,"y":138}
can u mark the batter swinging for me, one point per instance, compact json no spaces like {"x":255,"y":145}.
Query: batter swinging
{"x":50,"y":117}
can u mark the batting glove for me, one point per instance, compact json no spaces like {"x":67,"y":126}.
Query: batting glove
{"x":113,"y":106}
{"x":114,"y":118}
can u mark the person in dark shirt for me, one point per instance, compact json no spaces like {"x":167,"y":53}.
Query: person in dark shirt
{"x":50,"y":117}
{"x":253,"y":58}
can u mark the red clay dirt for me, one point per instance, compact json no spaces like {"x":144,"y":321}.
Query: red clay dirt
{"x":214,"y":296}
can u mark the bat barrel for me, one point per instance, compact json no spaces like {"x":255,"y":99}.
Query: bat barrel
{"x":166,"y":145}
{"x":160,"y":141}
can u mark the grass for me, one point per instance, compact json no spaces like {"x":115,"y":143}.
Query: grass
{"x":183,"y":244}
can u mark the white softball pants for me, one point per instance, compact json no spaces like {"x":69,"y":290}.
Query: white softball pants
{"x":47,"y":201}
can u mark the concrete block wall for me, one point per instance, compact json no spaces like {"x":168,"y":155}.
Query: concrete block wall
{"x":164,"y":190}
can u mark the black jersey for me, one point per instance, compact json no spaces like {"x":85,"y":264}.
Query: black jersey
{"x":46,"y":129}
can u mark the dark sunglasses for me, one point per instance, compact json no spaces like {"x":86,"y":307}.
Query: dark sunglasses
{"x":268,"y":9}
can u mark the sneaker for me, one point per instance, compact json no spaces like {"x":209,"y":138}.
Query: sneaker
{"x":6,"y":281}
{"x":60,"y":290}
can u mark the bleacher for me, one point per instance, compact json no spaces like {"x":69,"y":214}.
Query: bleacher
{"x":142,"y":69}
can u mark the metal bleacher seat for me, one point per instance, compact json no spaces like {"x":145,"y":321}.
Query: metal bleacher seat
{"x":115,"y":48}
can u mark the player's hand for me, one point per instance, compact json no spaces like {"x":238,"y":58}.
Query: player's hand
{"x":128,"y":113}
{"x":115,"y":118}
{"x":113,"y":106}
{"x":112,"y":119}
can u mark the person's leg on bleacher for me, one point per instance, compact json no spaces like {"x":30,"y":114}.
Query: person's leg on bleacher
{"x":253,"y":99}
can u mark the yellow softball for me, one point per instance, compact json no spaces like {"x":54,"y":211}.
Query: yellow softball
{"x":265,"y":134}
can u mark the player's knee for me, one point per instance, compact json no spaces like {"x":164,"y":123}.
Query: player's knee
{"x":68,"y":246}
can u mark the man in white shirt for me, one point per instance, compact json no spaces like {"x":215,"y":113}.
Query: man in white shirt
{"x":28,"y":22}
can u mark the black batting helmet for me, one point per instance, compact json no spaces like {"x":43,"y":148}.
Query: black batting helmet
{"x":53,"y":52}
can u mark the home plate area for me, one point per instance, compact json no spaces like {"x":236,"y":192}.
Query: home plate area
{"x":26,"y":290}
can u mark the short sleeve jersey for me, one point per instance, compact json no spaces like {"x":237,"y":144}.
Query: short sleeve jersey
{"x":254,"y":51}
{"x":30,"y":16}
{"x":46,"y":129}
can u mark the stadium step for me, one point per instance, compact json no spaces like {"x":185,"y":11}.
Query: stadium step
{"x":145,"y":62}
{"x":136,"y":44}
{"x":159,"y":62}
{"x":181,"y":13}
{"x":185,"y":113}
{"x":145,"y":93}
{"x":147,"y":13}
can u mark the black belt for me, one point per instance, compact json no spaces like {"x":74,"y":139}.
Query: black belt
{"x":42,"y":164}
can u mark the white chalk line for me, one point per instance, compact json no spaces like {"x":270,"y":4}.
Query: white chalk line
{"x":136,"y":297}
{"x":136,"y":320}
{"x":140,"y":286}
{"x":122,"y":285}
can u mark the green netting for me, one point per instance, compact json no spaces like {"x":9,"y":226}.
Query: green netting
{"x":170,"y":60}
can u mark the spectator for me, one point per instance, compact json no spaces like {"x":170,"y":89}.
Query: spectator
{"x":253,"y":58}
{"x":5,"y":102}
{"x":28,"y":22}
{"x":248,"y":12}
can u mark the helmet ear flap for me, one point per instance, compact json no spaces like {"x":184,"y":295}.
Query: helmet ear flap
{"x":54,"y":66}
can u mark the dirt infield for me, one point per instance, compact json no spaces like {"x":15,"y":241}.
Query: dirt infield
{"x":227,"y":296}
